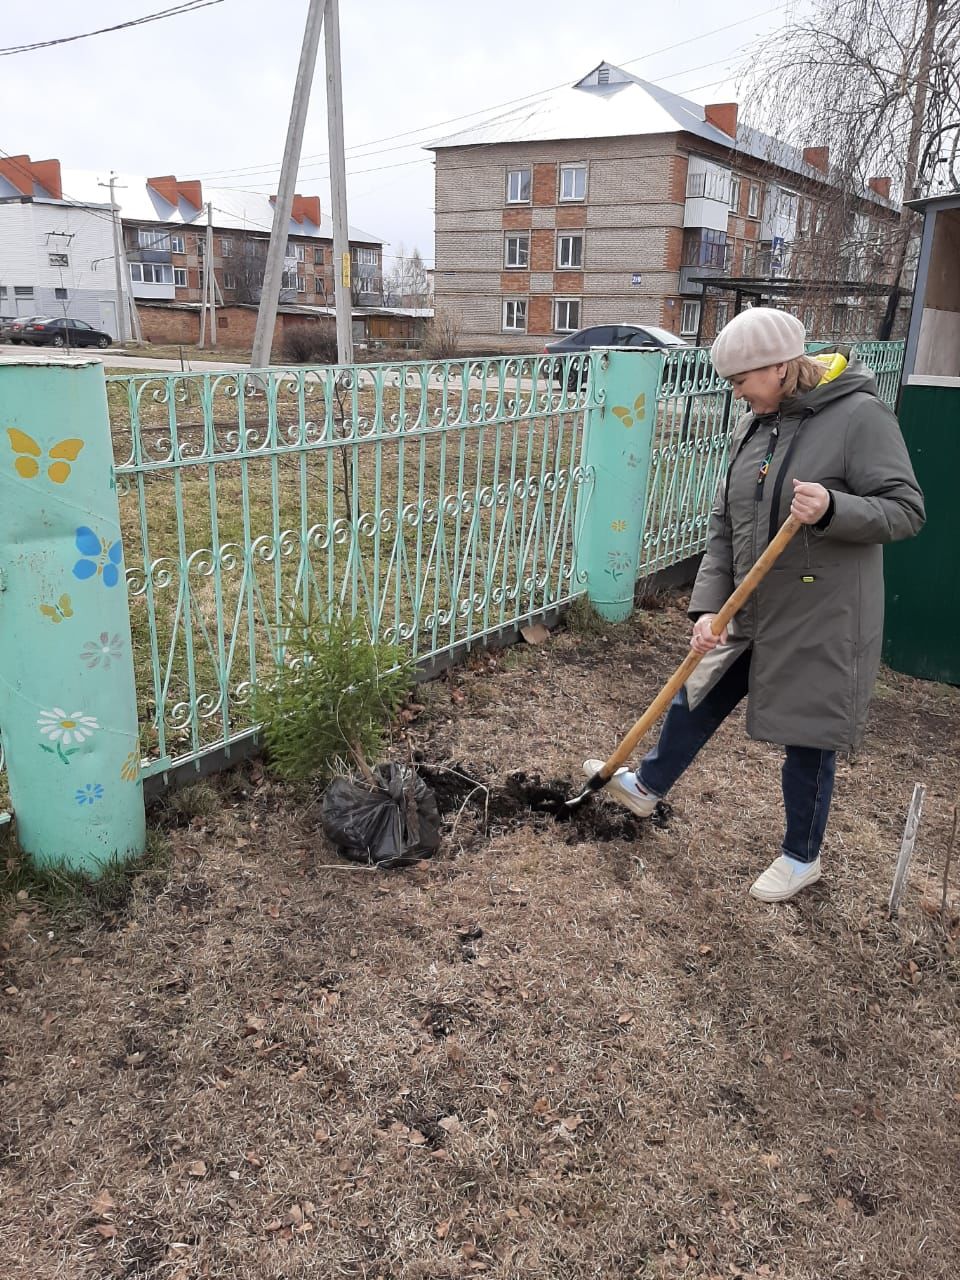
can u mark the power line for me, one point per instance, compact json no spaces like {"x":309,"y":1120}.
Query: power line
{"x":189,"y":7}
{"x":250,"y":170}
{"x":402,"y":164}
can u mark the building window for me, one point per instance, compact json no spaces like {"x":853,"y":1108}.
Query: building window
{"x":573,"y":181}
{"x":803,"y":217}
{"x":516,"y":252}
{"x":229,"y":281}
{"x":58,"y":259}
{"x":367,"y":284}
{"x":809,"y":318}
{"x":148,"y":238}
{"x":318,"y":256}
{"x":60,"y":295}
{"x":365,"y":257}
{"x":570,"y":251}
{"x":735,"y":185}
{"x":839,"y":318}
{"x":705,"y":248}
{"x":753,"y":201}
{"x":603,"y":75}
{"x":298,"y":251}
{"x":723,"y":314}
{"x":201,"y":246}
{"x":515,"y":315}
{"x":689,"y":318}
{"x":709,"y":184}
{"x":566,"y":315}
{"x":226,"y":247}
{"x":23,"y":290}
{"x":319,"y":285}
{"x":180,"y":277}
{"x":518,"y":186}
{"x":151,"y":273}
{"x":177,"y":245}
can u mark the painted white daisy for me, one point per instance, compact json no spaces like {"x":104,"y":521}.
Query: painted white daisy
{"x":66,"y":729}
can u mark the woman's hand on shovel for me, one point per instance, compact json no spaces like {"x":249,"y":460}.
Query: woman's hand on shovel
{"x":703,"y":640}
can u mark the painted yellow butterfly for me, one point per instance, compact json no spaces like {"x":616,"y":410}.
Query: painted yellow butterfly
{"x":57,"y":612}
{"x":637,"y":413}
{"x":27,"y":466}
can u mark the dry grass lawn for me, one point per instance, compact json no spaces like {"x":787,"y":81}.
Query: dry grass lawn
{"x":555,"y":1052}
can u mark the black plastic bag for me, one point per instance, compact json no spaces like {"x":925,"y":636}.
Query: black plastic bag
{"x":390,"y":825}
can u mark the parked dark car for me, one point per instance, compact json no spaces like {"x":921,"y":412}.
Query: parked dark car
{"x":59,"y":330}
{"x":11,"y":329}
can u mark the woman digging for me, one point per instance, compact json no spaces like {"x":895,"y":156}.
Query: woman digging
{"x":805,"y":649}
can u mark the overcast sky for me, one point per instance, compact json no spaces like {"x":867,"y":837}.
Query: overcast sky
{"x":209,"y":91}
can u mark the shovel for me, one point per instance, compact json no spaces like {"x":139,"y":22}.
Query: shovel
{"x":731,"y":606}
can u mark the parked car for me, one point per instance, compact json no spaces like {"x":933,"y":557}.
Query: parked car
{"x":11,"y":328}
{"x":57,"y":331}
{"x":611,"y":335}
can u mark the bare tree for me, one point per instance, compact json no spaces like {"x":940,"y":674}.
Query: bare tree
{"x":877,"y":83}
{"x":247,"y":267}
{"x":407,"y":284}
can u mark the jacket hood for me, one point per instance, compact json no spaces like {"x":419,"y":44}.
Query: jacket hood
{"x":855,"y":377}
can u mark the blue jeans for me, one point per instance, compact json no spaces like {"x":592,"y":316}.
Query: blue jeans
{"x":807,"y":775}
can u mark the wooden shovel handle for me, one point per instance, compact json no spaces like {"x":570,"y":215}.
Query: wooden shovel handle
{"x":732,"y":605}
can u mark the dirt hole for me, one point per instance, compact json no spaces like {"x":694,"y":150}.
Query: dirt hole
{"x":527,"y":798}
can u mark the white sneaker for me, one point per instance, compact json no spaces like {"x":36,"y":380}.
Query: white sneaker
{"x":623,"y":788}
{"x":781,"y":880}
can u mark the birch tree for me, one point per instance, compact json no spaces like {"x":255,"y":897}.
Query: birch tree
{"x":878,"y":83}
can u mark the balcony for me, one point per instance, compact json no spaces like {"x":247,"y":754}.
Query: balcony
{"x":705,"y":253}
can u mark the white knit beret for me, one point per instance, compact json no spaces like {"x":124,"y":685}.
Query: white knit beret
{"x":756,"y":338}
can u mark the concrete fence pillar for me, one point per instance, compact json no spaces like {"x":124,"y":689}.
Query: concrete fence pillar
{"x":68,"y":710}
{"x":617,"y":446}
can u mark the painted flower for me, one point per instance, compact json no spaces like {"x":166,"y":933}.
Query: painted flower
{"x":618,"y":526}
{"x":618,"y":562}
{"x":98,"y":557}
{"x":130,"y":769}
{"x":104,"y":650}
{"x":64,"y":730}
{"x":89,"y":794}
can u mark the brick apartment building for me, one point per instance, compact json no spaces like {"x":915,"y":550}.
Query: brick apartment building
{"x":608,"y":201}
{"x":165,"y":227}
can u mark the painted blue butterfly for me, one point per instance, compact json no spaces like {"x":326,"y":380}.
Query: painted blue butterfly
{"x":98,"y":557}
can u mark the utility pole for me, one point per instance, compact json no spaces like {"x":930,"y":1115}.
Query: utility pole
{"x":209,"y":286}
{"x":270,"y":293}
{"x":338,"y":185}
{"x":117,"y":259}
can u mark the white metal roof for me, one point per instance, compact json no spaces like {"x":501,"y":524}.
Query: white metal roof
{"x":626,"y":106}
{"x":232,"y":210}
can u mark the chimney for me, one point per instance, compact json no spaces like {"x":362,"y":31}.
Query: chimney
{"x":306,"y":208}
{"x":723,"y":116}
{"x":881,"y":186}
{"x":817,"y":158}
{"x":23,"y":173}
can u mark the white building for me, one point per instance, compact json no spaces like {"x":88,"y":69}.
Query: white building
{"x":56,"y":253}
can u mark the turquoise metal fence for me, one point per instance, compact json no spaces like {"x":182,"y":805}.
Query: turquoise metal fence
{"x":438,"y":500}
{"x":442,"y":501}
{"x":695,"y":414}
